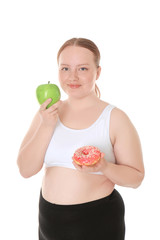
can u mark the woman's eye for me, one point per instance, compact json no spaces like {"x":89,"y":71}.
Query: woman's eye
{"x":65,"y":69}
{"x":83,"y":69}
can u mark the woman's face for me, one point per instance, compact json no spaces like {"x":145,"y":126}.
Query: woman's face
{"x":77,"y":71}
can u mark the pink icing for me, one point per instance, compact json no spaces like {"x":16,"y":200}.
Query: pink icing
{"x":87,"y":154}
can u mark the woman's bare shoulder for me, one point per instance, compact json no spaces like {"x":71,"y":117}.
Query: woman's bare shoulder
{"x":119,"y":117}
{"x":121,"y":124}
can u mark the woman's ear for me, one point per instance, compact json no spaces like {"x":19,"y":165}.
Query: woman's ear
{"x":98,"y":72}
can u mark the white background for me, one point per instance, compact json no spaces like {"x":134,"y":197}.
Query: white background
{"x":128,"y":36}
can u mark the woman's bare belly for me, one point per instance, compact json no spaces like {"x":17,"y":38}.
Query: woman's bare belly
{"x":68,"y":186}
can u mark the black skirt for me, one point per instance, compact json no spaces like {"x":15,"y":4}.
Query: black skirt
{"x":101,"y":219}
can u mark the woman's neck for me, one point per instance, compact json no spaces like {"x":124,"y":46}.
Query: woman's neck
{"x":81,"y":103}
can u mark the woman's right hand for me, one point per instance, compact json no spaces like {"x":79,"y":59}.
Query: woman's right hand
{"x":49,"y":116}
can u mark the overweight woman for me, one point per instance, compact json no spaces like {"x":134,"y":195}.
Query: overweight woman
{"x":81,"y":202}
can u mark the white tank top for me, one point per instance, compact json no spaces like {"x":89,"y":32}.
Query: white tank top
{"x":65,"y":141}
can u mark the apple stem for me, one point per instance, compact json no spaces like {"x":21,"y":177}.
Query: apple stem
{"x":48,"y":82}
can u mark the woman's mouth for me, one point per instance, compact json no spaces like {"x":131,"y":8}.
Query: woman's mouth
{"x":73,"y":86}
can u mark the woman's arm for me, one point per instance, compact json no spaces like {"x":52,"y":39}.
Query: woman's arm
{"x":129,"y":170}
{"x":33,"y":148}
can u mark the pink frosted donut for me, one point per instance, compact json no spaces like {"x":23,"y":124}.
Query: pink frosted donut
{"x":87,"y":155}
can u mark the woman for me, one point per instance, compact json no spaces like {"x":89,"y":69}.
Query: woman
{"x":81,"y":202}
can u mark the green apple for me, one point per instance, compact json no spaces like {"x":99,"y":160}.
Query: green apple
{"x":45,"y":91}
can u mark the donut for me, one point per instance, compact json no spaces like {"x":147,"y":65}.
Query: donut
{"x":87,"y":155}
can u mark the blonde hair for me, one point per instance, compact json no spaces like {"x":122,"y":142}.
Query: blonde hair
{"x":85,"y":43}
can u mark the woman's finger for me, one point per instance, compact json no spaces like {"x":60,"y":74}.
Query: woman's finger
{"x":102,"y":155}
{"x":45,"y":104}
{"x":54,"y":107}
{"x":77,"y":166}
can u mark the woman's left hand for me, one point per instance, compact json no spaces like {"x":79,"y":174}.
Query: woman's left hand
{"x":97,"y":167}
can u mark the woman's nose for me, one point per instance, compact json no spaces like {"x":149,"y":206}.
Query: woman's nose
{"x":74,"y":75}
